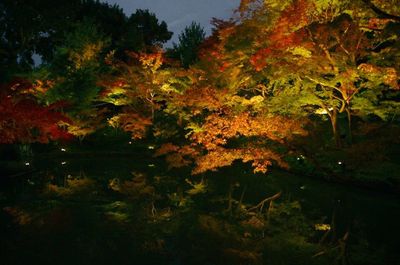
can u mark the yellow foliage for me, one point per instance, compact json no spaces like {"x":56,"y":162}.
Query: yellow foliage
{"x":199,"y":187}
{"x":152,"y":61}
{"x":78,"y":128}
{"x":254,"y":102}
{"x":134,"y":188}
{"x":42,"y":87}
{"x":88,"y":53}
{"x":72,"y":187}
{"x":322,"y":227}
{"x":301,"y":51}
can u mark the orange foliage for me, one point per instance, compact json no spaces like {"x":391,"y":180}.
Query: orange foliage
{"x":133,"y":123}
{"x":293,"y":18}
{"x":389,"y":74}
{"x":166,"y":148}
{"x":177,"y":156}
{"x":278,"y":45}
{"x":221,"y":157}
{"x":199,"y":99}
{"x":219,"y":128}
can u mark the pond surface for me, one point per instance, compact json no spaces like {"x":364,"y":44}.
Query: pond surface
{"x":131,"y":210}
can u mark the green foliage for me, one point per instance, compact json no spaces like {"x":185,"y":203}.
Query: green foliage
{"x":29,"y":27}
{"x":37,"y":27}
{"x":189,"y":42}
{"x":76,"y":66}
{"x":142,"y":30}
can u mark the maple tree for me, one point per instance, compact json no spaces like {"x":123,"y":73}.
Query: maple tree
{"x":139,"y":90}
{"x":224,"y":121}
{"x":318,"y":57}
{"x":283,"y":64}
{"x":72,"y":77}
{"x":23,"y":120}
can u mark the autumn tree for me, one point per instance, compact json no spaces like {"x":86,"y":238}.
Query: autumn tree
{"x":283,"y":64}
{"x":23,"y":120}
{"x":72,"y":77}
{"x":224,"y":121}
{"x":138,"y":90}
{"x":316,"y":57}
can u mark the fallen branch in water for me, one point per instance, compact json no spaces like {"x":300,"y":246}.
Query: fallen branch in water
{"x":261,"y":204}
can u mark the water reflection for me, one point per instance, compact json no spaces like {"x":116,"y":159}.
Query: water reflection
{"x":122,"y":212}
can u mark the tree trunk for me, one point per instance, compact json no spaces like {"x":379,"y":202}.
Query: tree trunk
{"x":349,"y":126}
{"x":335,"y":130}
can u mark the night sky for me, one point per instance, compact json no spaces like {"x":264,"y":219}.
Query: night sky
{"x":180,"y":13}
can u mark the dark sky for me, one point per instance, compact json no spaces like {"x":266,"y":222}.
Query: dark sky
{"x":180,"y":13}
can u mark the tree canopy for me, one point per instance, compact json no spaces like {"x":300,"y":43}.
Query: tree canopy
{"x":189,"y":44}
{"x":38,"y":27}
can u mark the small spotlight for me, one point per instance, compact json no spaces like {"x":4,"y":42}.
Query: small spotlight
{"x":301,"y":157}
{"x":151,"y":165}
{"x":129,"y":142}
{"x":151,"y":147}
{"x":27,"y":164}
{"x":63,"y":150}
{"x":63,"y":163}
{"x":340,"y":162}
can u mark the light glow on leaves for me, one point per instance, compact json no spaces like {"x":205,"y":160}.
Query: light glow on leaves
{"x":322,"y":227}
{"x":133,"y":123}
{"x":301,"y":51}
{"x":84,"y":56}
{"x":197,"y":187}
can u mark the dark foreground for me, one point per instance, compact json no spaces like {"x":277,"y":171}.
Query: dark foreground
{"x":131,"y":210}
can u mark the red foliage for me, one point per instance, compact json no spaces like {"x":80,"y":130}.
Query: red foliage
{"x":291,"y":19}
{"x":212,"y":47}
{"x":23,"y":120}
{"x":258,"y":60}
{"x":286,"y":33}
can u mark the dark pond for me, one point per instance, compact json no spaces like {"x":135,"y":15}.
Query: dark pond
{"x":131,"y":210}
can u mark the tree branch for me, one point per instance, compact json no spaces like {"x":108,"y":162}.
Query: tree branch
{"x":380,"y":12}
{"x":261,"y":204}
